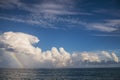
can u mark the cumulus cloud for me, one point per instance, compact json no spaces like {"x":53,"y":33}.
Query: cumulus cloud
{"x":115,"y":58}
{"x":18,"y":42}
{"x":17,"y":49}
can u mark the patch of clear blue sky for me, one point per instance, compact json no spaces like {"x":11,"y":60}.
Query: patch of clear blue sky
{"x":71,"y":39}
{"x":75,"y":37}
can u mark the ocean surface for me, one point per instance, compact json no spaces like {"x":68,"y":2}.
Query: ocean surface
{"x":61,"y":74}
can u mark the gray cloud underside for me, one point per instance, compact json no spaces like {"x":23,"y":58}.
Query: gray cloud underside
{"x":17,"y":50}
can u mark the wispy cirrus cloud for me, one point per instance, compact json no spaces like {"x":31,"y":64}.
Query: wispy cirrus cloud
{"x":102,"y":27}
{"x":106,"y":35}
{"x":48,"y":21}
{"x":45,"y":21}
{"x":47,"y":14}
{"x":66,"y":7}
{"x":109,"y":25}
{"x":8,"y":4}
{"x":44,"y":13}
{"x":108,"y":12}
{"x":29,"y":21}
{"x":113,"y":22}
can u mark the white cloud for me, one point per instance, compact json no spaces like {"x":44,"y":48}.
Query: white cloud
{"x":108,"y":12}
{"x":11,"y":41}
{"x":48,"y":7}
{"x":37,"y":12}
{"x":90,"y":57}
{"x":32,"y":21}
{"x":113,"y":22}
{"x":115,"y":58}
{"x":107,"y":35}
{"x":44,"y":21}
{"x":17,"y":49}
{"x":101,"y":27}
{"x":8,"y":3}
{"x":53,"y":10}
{"x":52,"y":7}
{"x":109,"y":26}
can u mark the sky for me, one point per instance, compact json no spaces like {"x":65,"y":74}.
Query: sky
{"x":88,"y":29}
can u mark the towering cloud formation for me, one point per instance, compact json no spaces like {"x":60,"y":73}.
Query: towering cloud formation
{"x":17,"y":49}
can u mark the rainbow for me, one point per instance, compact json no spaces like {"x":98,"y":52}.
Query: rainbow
{"x":17,"y":60}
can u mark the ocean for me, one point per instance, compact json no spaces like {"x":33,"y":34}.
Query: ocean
{"x":61,"y":74}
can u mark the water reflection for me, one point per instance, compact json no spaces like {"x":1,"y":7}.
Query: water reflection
{"x":60,"y":74}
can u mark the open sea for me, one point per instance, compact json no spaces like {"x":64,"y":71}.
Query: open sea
{"x":61,"y":74}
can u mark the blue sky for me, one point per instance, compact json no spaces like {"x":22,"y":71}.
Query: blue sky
{"x":76,"y":25}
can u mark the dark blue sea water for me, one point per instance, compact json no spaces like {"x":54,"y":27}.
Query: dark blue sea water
{"x":61,"y":74}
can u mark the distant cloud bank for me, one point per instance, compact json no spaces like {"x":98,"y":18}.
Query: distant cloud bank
{"x":17,"y":50}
